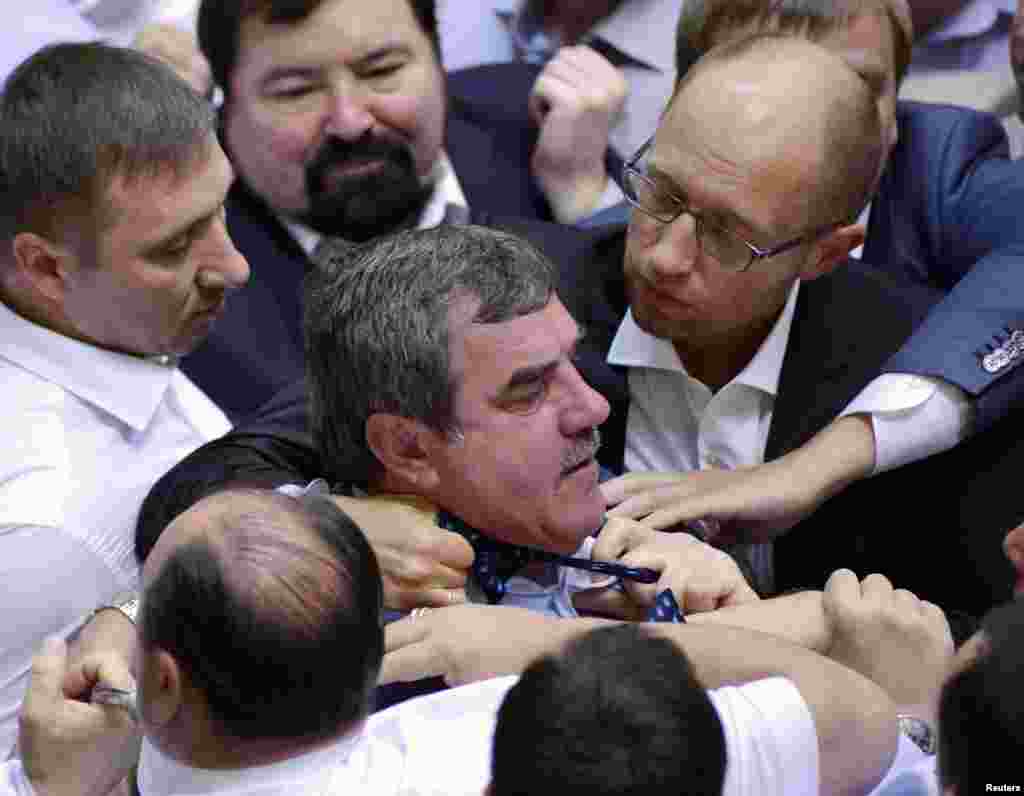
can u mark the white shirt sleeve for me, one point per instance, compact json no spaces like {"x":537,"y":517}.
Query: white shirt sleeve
{"x":13,"y":781}
{"x":51,"y":584}
{"x":913,"y":417}
{"x":770,"y":739}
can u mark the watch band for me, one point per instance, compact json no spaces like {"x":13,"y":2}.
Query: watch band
{"x":919,"y":731}
{"x":129,"y":608}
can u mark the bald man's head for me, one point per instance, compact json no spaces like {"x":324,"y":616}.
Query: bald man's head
{"x":786,"y":109}
{"x":269,"y":607}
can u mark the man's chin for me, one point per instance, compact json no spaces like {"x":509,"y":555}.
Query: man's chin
{"x":366,"y":209}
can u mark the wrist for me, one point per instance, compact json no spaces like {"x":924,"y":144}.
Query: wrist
{"x":573,"y":197}
{"x":128,"y":608}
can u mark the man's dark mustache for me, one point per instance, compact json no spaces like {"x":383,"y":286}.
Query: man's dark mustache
{"x":584,"y":449}
{"x":365,"y":149}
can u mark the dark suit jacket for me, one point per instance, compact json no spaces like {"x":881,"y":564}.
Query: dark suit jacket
{"x":949,"y":213}
{"x":936,"y":526}
{"x":255,"y":349}
{"x":911,"y":523}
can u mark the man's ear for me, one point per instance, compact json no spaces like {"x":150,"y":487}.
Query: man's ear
{"x":832,"y":250}
{"x":43,"y":264}
{"x":165,"y":693}
{"x":402,"y":445}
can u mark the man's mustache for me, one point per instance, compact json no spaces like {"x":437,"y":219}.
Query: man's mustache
{"x":583,"y":450}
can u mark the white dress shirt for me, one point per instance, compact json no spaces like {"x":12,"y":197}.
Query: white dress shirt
{"x":912,"y":417}
{"x":447,"y":192}
{"x":643,"y":31}
{"x":86,"y":434}
{"x":441,"y":745}
{"x":676,"y":423}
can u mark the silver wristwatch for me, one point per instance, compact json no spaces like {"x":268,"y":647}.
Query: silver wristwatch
{"x":129,"y":607}
{"x":919,"y":731}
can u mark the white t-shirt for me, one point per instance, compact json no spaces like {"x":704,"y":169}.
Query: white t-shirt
{"x":440,"y":745}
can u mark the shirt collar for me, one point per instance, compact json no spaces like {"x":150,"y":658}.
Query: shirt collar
{"x":637,"y":29}
{"x":635,"y":348}
{"x":447,"y":190}
{"x":128,"y":387}
{"x":975,"y":18}
{"x":160,"y":774}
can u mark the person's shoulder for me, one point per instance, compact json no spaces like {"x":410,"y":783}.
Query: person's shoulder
{"x":44,"y":410}
{"x":569,"y":247}
{"x":922,"y":123}
{"x":37,"y":457}
{"x":443,"y":739}
{"x":861,"y":288}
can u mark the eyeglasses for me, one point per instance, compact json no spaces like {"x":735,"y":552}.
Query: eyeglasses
{"x":713,"y":239}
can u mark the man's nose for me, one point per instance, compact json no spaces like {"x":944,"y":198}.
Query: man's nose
{"x":348,"y":116}
{"x":223,"y":267}
{"x":676,"y":249}
{"x":586,"y":409}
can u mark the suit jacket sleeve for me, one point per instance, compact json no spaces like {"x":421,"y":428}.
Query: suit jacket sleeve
{"x":956,"y":185}
{"x":275,"y":448}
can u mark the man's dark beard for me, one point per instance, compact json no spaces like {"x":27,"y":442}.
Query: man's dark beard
{"x":361,"y":207}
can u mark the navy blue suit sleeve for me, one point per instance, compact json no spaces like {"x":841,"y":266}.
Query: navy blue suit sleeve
{"x":972,"y":224}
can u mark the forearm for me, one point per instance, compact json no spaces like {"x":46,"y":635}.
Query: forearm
{"x":855,"y":720}
{"x":797,"y":618}
{"x":840,"y":454}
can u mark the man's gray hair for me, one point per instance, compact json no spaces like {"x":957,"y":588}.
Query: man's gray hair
{"x":377,"y":328}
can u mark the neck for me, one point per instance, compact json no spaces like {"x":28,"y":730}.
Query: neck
{"x":217,"y":752}
{"x":718,"y":363}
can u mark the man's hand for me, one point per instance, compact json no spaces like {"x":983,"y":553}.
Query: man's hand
{"x":701,"y":578}
{"x":753,"y":504}
{"x":575,"y":101}
{"x":72,"y":747}
{"x":421,"y":563}
{"x":179,"y":50}
{"x":889,"y":636}
{"x":467,"y":643}
{"x":109,"y":634}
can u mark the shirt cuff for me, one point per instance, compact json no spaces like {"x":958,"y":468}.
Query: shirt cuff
{"x":912,"y":417}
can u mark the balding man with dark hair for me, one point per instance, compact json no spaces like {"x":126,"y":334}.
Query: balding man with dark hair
{"x":252,"y":576}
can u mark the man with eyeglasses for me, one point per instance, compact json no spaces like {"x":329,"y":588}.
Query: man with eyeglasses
{"x":743,"y":335}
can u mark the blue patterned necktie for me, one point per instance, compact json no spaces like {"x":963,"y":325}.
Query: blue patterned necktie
{"x":495,"y":562}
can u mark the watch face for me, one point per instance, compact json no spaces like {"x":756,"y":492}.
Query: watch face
{"x":918,"y":731}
